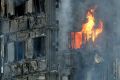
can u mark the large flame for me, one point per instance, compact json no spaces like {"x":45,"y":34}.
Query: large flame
{"x":88,"y":32}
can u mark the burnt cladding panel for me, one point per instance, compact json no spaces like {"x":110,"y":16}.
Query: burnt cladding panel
{"x":19,"y":50}
{"x":39,"y":46}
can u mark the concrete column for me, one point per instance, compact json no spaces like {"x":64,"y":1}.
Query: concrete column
{"x":29,"y":48}
{"x":50,"y":18}
{"x":2,"y":8}
{"x":11,"y":52}
{"x":50,"y":11}
{"x":10,"y":7}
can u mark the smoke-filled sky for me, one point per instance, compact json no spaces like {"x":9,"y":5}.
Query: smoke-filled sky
{"x":72,"y":15}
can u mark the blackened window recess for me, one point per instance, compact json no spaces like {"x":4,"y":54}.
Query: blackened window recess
{"x":57,"y":3}
{"x":20,"y":10}
{"x":19,"y":50}
{"x":39,"y":46}
{"x":5,"y":53}
{"x":28,"y":23}
{"x":39,"y":6}
{"x":5,"y":14}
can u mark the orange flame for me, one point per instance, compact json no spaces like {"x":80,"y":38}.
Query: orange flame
{"x":88,"y":31}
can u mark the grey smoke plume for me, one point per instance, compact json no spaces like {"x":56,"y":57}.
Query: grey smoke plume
{"x":71,"y":16}
{"x":65,"y":20}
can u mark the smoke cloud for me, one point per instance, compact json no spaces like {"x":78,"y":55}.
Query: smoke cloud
{"x":72,"y":15}
{"x":65,"y":20}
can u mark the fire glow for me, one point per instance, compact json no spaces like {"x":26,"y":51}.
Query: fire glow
{"x":89,"y":31}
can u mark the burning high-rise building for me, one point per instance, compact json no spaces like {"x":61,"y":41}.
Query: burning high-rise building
{"x":59,"y":40}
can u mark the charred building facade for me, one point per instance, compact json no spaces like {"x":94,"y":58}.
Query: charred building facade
{"x":29,"y":32}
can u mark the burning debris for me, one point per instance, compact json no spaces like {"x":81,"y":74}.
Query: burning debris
{"x":89,"y":31}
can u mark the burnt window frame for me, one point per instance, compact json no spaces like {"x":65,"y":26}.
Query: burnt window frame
{"x":35,"y":53}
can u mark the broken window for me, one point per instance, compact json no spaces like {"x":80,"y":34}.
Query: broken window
{"x":39,"y":46}
{"x":20,"y":9}
{"x":19,"y":50}
{"x":39,"y":6}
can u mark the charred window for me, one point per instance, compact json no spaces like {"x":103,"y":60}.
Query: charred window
{"x":5,"y":13}
{"x":39,"y":46}
{"x":57,"y":3}
{"x":19,"y":50}
{"x":20,"y":9}
{"x":5,"y":53}
{"x":39,"y":6}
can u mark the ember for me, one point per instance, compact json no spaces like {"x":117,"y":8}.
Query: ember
{"x":88,"y":32}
